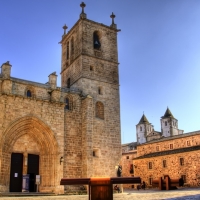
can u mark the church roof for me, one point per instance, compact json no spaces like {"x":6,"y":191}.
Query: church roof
{"x":133,"y":144}
{"x":167,"y":114}
{"x":153,"y":133}
{"x":143,"y":120}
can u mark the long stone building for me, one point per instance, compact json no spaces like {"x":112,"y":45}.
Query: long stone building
{"x":67,"y":131}
{"x":157,"y":154}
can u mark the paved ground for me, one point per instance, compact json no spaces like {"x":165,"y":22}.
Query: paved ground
{"x":180,"y":194}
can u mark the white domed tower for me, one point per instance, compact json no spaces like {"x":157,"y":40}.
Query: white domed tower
{"x":143,"y":128}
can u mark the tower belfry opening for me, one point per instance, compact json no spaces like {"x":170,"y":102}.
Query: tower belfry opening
{"x":97,"y":44}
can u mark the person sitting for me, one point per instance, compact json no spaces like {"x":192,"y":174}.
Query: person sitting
{"x":82,"y":187}
{"x":117,"y":188}
{"x":143,"y":185}
{"x":138,"y":187}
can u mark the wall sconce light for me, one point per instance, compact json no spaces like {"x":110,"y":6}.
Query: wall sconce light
{"x":61,"y":160}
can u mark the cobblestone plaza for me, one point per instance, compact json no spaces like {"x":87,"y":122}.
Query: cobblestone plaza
{"x":153,"y":194}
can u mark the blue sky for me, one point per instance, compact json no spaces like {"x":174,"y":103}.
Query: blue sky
{"x":158,"y":46}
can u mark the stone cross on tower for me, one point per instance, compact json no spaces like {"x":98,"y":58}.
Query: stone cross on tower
{"x":83,"y":15}
{"x":113,"y":25}
{"x":65,"y":28}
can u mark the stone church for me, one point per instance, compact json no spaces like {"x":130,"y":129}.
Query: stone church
{"x":68,"y":131}
{"x":169,"y":127}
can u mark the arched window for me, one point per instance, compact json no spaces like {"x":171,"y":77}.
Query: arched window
{"x":68,"y":83}
{"x":67,"y":50}
{"x":28,"y":93}
{"x":72,"y":46}
{"x":97,"y":44}
{"x":67,"y":104}
{"x":100,"y":110}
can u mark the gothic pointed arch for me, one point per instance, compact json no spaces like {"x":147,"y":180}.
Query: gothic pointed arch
{"x":45,"y":139}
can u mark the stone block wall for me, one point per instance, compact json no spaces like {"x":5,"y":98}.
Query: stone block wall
{"x":73,"y":138}
{"x":95,"y":73}
{"x":126,"y":162}
{"x":32,"y":125}
{"x":106,"y":132}
{"x":170,"y":151}
{"x":179,"y":142}
{"x":104,"y":61}
{"x":173,"y":168}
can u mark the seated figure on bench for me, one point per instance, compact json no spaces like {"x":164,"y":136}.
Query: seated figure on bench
{"x":117,"y":188}
{"x":82,"y":187}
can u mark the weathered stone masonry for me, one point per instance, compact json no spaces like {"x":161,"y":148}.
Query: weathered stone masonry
{"x":74,"y":128}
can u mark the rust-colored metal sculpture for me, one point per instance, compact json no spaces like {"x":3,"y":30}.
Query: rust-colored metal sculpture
{"x":100,"y":188}
{"x":167,"y":183}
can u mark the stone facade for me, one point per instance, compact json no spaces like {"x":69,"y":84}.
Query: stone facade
{"x":129,"y":152}
{"x":95,"y":72}
{"x":74,"y":128}
{"x":174,"y":153}
{"x":176,"y":156}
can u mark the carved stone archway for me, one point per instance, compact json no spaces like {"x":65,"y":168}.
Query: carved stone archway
{"x":38,"y":131}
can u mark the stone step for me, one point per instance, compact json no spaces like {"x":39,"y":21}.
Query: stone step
{"x":22,"y":194}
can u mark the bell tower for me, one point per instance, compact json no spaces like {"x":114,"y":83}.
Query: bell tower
{"x":90,"y":64}
{"x":89,"y":53}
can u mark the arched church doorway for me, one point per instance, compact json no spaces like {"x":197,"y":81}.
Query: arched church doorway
{"x":29,"y":147}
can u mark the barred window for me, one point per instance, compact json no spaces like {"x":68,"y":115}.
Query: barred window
{"x":157,"y":148}
{"x":100,"y":110}
{"x":181,"y":161}
{"x":150,"y":180}
{"x":188,"y":143}
{"x":150,"y":165}
{"x":171,"y":146}
{"x":164,"y":163}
